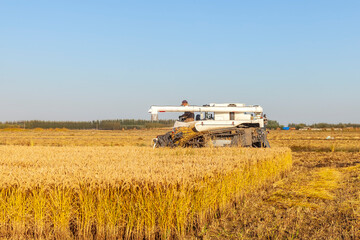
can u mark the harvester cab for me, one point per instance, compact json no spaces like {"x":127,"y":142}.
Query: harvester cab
{"x":228,"y":124}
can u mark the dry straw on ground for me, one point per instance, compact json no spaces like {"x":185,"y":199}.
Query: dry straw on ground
{"x":318,"y":199}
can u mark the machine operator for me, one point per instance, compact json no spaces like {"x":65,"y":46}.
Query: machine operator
{"x":187,"y":116}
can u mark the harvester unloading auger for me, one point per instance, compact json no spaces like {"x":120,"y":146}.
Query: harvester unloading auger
{"x":229,"y":124}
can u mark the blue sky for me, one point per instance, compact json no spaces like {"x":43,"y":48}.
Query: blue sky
{"x":88,"y":60}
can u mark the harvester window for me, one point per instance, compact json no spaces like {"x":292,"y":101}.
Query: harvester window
{"x":208,"y":116}
{"x":232,"y":115}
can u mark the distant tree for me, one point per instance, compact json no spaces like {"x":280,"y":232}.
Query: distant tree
{"x":272,"y":124}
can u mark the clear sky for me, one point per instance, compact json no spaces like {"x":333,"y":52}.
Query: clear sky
{"x":88,"y":60}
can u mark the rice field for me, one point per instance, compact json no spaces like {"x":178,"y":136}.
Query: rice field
{"x":111,"y":184}
{"x":62,"y":184}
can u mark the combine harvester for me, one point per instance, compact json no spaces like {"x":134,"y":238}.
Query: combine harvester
{"x":229,"y":124}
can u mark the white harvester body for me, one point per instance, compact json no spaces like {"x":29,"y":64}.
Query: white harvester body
{"x":215,"y":116}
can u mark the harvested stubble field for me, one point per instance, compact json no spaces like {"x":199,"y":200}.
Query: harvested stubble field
{"x":111,"y":184}
{"x":318,"y":199}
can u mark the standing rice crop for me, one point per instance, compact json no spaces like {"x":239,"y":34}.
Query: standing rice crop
{"x":125,"y":192}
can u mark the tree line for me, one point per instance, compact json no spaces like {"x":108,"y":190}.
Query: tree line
{"x":118,"y":124}
{"x":272,"y":124}
{"x":324,"y":125}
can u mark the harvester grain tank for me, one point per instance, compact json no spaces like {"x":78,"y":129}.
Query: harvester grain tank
{"x":227,"y":124}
